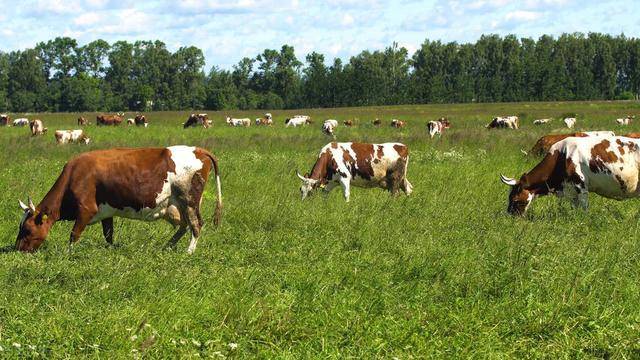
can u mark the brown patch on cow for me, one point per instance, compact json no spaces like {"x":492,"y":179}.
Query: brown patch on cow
{"x":379,"y":152}
{"x":334,"y":145}
{"x":544,"y":144}
{"x":601,"y":156}
{"x":620,"y":146}
{"x":364,"y":155}
{"x":632,"y":135}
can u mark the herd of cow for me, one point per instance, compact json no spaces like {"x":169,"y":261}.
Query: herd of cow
{"x":167,"y":183}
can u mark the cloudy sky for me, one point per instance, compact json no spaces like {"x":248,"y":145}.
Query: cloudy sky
{"x":228,"y":30}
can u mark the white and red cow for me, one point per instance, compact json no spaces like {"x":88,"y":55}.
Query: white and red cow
{"x":4,"y":120}
{"x":570,"y":122}
{"x":575,"y":166}
{"x":37,"y":127}
{"x":131,"y":121}
{"x":21,"y":122}
{"x":329,"y":126}
{"x":71,"y":136}
{"x":239,"y":122}
{"x":625,"y":121}
{"x":267,"y":120}
{"x":545,"y":143}
{"x":141,"y":120}
{"x":438,"y":127}
{"x":363,"y":165}
{"x":395,"y":123}
{"x":297,"y":120}
{"x":195,"y":120}
{"x":541,"y":121}
{"x":144,"y":184}
{"x":509,"y":122}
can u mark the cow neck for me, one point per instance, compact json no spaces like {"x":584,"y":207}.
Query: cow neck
{"x":541,"y":180}
{"x":319,"y":170}
{"x":51,"y":204}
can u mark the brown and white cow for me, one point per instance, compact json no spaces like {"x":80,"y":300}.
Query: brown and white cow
{"x":377,"y":122}
{"x":570,"y":122}
{"x":195,"y":120}
{"x":298,"y":120}
{"x":21,"y":122}
{"x":395,"y":123}
{"x":575,"y":166}
{"x":348,"y":123}
{"x":108,"y":120}
{"x":499,"y":122}
{"x":5,"y":120}
{"x":267,"y":120}
{"x":82,"y":121}
{"x":245,"y":122}
{"x":143,"y":184}
{"x":541,"y":121}
{"x":329,"y":126}
{"x":438,"y":127}
{"x":141,"y":120}
{"x":37,"y":127}
{"x":544,"y":143}
{"x":71,"y":136}
{"x":363,"y":165}
{"x":626,"y":120}
{"x":131,"y":122}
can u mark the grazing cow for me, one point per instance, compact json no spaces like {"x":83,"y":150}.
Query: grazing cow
{"x":109,"y":120}
{"x":364,"y":165}
{"x":543,"y":144}
{"x":21,"y":122}
{"x":71,"y":136}
{"x":632,"y":135}
{"x":395,"y":123}
{"x":238,"y":122}
{"x":143,"y":184}
{"x":570,"y":122}
{"x":82,"y":121}
{"x":297,"y":121}
{"x":130,"y":121}
{"x":141,"y":120}
{"x":377,"y":122}
{"x":4,"y":120}
{"x":438,"y":127}
{"x":307,"y":118}
{"x":329,"y":126}
{"x":37,"y":127}
{"x":195,"y":120}
{"x":510,"y":122}
{"x":575,"y":166}
{"x":348,"y":123}
{"x":625,"y":121}
{"x":541,"y":121}
{"x":267,"y":120}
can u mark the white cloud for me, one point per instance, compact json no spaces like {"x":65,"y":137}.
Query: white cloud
{"x":87,"y":19}
{"x":347,"y":20}
{"x":522,"y":15}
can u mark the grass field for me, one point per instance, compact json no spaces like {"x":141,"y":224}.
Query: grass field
{"x":443,"y":273}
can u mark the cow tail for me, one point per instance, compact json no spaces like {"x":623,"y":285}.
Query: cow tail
{"x":217,"y":217}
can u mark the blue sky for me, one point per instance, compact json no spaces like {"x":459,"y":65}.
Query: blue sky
{"x":228,"y":30}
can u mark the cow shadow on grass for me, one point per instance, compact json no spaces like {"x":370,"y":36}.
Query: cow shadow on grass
{"x":7,"y":249}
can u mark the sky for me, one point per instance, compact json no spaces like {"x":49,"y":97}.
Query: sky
{"x":227,"y":30}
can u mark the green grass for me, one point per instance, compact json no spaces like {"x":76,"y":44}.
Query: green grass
{"x":444,"y":273}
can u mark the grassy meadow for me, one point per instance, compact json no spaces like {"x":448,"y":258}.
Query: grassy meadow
{"x":444,"y":273}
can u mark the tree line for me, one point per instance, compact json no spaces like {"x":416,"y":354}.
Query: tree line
{"x":60,"y":75}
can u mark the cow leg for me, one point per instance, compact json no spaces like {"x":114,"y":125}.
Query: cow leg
{"x":107,"y":230}
{"x":346,"y":185}
{"x":177,"y":236}
{"x":195,"y":225}
{"x":83,"y":219}
{"x":406,"y":186}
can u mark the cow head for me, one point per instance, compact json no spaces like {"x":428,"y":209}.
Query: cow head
{"x":519,"y":198}
{"x":34,"y":228}
{"x":308,"y":185}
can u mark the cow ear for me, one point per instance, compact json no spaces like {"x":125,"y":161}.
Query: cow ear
{"x":508,"y":181}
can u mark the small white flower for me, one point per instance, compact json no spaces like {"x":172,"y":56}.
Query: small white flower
{"x":16,"y":345}
{"x":195,"y":342}
{"x":233,"y":346}
{"x":133,"y":337}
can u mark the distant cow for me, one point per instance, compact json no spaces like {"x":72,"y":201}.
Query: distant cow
{"x":82,"y":121}
{"x":37,"y":127}
{"x":130,"y":121}
{"x":267,"y":120}
{"x":625,"y":121}
{"x":438,"y":127}
{"x":510,"y":122}
{"x":108,"y":120}
{"x":195,"y":120}
{"x":541,"y":121}
{"x":395,"y":123}
{"x":71,"y":136}
{"x":307,"y":118}
{"x":632,"y":135}
{"x":570,"y":122}
{"x":141,"y":120}
{"x":377,"y":122}
{"x":5,"y":120}
{"x":366,"y":165}
{"x":144,"y":184}
{"x":348,"y":123}
{"x":329,"y":126}
{"x":21,"y":122}
{"x":297,"y":121}
{"x":575,"y":166}
{"x":543,"y":144}
{"x":238,"y":122}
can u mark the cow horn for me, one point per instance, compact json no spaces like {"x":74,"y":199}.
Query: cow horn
{"x":507,"y":181}
{"x":23,"y":206}
{"x":300,"y":176}
{"x":524,"y":152}
{"x":31,"y":206}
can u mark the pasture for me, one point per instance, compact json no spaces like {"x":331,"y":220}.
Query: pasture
{"x":443,"y":273}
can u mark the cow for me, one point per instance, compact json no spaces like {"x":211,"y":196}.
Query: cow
{"x":329,"y":126}
{"x":109,"y":120}
{"x":143,"y":184}
{"x":141,"y":120}
{"x":570,"y":122}
{"x":71,"y":136}
{"x":377,"y":122}
{"x":130,"y":121}
{"x":510,"y":122}
{"x":395,"y":123}
{"x":307,"y":118}
{"x":541,"y":121}
{"x":21,"y":122}
{"x":4,"y":120}
{"x":575,"y":166}
{"x":238,"y":122}
{"x":632,"y":135}
{"x":363,"y":165}
{"x":197,"y":120}
{"x":37,"y":127}
{"x":267,"y":120}
{"x":438,"y":127}
{"x":82,"y":121}
{"x":544,"y":143}
{"x":625,"y":121}
{"x":297,"y":121}
{"x":348,"y":123}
